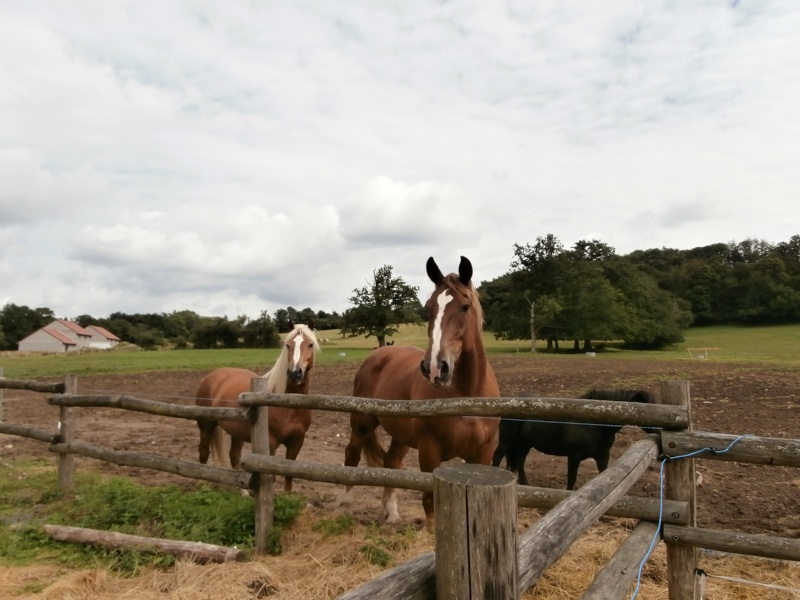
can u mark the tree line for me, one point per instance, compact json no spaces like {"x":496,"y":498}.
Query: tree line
{"x":580,"y":294}
{"x":178,"y":329}
{"x":646,"y":298}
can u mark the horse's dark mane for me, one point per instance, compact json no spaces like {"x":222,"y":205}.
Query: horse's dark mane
{"x":620,"y":395}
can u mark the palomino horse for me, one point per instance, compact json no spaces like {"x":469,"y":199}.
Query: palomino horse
{"x":454,"y":365}
{"x":287,"y":426}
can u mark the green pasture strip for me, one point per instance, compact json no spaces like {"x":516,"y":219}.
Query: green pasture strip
{"x":778,"y":344}
{"x":29,"y":498}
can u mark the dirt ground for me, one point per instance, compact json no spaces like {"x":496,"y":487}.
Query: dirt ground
{"x":727,"y":398}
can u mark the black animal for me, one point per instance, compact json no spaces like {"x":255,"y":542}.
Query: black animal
{"x":575,"y":441}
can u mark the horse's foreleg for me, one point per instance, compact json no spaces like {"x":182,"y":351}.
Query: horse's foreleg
{"x":293,"y":446}
{"x":393,"y":460}
{"x":516,"y":461}
{"x":206,"y":432}
{"x":236,"y":452}
{"x":430,"y":457}
{"x":602,"y":461}
{"x":360,"y":427}
{"x":572,"y":471}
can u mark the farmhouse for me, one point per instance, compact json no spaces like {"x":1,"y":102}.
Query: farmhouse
{"x":67,"y":336}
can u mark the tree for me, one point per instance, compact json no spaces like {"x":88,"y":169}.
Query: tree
{"x":18,"y":322}
{"x":380,"y":307}
{"x":261,"y":332}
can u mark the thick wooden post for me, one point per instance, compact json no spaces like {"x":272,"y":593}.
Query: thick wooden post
{"x":476,"y":533}
{"x":66,"y":427}
{"x":680,"y":485}
{"x":260,"y":445}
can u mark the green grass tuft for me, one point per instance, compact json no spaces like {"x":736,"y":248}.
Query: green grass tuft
{"x":30,"y":498}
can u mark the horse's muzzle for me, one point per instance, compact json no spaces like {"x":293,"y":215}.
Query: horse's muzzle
{"x":295,"y":376}
{"x":441,"y":374}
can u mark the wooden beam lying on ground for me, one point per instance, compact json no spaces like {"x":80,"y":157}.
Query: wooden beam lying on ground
{"x":195,"y":551}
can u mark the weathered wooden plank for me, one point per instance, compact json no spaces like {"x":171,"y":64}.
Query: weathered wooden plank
{"x":29,"y":432}
{"x":33,"y":386}
{"x":196,"y":551}
{"x":554,"y":409}
{"x":413,"y":580}
{"x":752,"y":449}
{"x":153,"y":407}
{"x":734,"y":542}
{"x":550,"y":537}
{"x":613,"y":581}
{"x":184,"y":468}
{"x":679,"y":478}
{"x":629,"y":507}
{"x":371,"y":476}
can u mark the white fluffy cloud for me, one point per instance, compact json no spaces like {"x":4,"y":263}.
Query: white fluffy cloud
{"x":240,"y":157}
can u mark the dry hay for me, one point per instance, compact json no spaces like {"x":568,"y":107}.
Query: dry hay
{"x":316,"y":567}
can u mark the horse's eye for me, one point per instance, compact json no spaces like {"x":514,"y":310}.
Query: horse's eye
{"x":465,"y":308}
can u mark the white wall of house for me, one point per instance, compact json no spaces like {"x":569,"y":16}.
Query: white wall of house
{"x":41,"y":341}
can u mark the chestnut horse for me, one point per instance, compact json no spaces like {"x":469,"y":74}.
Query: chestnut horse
{"x":454,"y":365}
{"x":287,"y":426}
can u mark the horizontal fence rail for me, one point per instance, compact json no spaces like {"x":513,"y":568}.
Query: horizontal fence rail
{"x":629,"y":507}
{"x":158,"y":463}
{"x":553,"y":409}
{"x":569,"y":514}
{"x":153,"y":407}
{"x":33,"y":386}
{"x":778,"y":452}
{"x":768,"y":546}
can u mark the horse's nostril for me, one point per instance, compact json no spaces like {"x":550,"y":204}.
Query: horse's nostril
{"x":444,"y":368}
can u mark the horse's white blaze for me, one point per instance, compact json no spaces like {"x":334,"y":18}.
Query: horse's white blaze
{"x":298,"y":347}
{"x":436,"y":337}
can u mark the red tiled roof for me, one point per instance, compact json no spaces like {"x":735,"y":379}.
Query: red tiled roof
{"x":104,"y":332}
{"x":75,"y":327}
{"x":60,"y":336}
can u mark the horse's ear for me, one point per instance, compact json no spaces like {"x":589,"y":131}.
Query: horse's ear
{"x":311,"y":324}
{"x":434,"y":272}
{"x":465,"y":270}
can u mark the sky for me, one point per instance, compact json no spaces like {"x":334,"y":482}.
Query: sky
{"x":239,"y":157}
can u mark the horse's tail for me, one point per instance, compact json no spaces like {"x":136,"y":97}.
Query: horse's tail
{"x":217,"y":445}
{"x":373,"y":451}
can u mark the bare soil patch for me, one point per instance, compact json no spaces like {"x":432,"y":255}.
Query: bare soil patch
{"x":727,"y":398}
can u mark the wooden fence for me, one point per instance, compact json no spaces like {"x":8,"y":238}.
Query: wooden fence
{"x":570,"y":513}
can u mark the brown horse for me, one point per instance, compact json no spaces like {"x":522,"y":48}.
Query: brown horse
{"x":454,"y":365}
{"x":287,"y":426}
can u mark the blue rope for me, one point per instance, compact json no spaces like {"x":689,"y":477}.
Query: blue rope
{"x":661,"y":500}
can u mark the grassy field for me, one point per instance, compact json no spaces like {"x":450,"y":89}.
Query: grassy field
{"x":778,"y":344}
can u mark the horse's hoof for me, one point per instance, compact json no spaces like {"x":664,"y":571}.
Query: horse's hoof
{"x":391,"y":519}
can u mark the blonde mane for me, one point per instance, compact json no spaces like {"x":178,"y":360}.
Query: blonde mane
{"x":276,"y":376}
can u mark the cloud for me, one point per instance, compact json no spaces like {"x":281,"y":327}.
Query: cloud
{"x":229,"y":160}
{"x":389,"y":213}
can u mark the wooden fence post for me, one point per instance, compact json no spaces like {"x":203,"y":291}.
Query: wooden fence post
{"x":680,"y":485}
{"x":476,"y":533}
{"x":66,"y":428}
{"x":260,"y":445}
